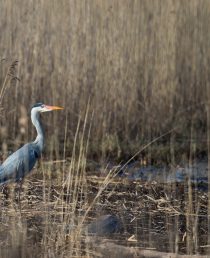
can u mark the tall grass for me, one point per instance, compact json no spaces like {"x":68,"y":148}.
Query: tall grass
{"x":143,"y":65}
{"x":127,"y":72}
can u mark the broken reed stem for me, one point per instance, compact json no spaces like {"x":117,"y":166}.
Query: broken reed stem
{"x":189,"y":218}
{"x":112,"y":173}
{"x":208,"y":146}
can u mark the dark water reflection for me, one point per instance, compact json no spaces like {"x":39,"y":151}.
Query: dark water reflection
{"x":163,"y":217}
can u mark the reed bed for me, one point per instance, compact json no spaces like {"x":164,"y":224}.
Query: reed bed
{"x":133,"y":77}
{"x":142,"y":66}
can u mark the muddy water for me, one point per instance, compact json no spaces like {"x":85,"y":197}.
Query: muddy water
{"x":167,"y":217}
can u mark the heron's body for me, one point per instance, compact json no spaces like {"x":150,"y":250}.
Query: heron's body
{"x":18,"y":164}
{"x":21,"y":162}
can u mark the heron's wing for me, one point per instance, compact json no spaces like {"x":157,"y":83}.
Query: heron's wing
{"x":17,"y":165}
{"x":8,"y":172}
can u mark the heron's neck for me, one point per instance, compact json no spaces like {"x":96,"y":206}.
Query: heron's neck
{"x":39,"y":141}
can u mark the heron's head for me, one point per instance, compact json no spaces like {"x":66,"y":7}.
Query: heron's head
{"x":40,"y":107}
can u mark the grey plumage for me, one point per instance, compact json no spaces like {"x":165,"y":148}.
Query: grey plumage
{"x":21,"y":162}
{"x":17,"y":165}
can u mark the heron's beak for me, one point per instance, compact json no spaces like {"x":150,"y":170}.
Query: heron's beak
{"x":50,"y":108}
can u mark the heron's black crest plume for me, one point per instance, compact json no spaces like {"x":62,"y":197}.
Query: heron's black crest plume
{"x":37,"y":105}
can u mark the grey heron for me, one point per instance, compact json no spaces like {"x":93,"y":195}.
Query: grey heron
{"x":21,"y":162}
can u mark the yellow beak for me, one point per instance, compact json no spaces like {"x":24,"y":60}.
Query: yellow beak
{"x":53,"y":107}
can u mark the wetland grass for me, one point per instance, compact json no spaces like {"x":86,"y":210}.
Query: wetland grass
{"x":126,"y":73}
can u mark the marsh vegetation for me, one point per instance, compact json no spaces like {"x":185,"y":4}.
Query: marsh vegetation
{"x":133,"y":77}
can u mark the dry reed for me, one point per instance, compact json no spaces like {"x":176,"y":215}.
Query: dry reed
{"x":126,"y":73}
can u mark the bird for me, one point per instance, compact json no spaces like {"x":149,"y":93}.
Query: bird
{"x":21,"y":162}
